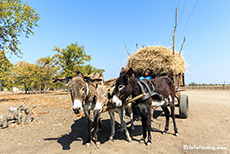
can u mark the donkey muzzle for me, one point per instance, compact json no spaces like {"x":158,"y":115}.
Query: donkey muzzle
{"x":98,"y":108}
{"x":116,"y":101}
{"x":77,"y":106}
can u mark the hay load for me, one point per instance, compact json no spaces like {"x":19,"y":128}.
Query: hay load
{"x":158,"y":59}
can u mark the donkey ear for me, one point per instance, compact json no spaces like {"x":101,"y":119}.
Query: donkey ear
{"x":129,"y":72}
{"x":55,"y":80}
{"x":78,"y":73}
{"x":69,"y":77}
{"x":122,"y":70}
{"x":87,"y":79}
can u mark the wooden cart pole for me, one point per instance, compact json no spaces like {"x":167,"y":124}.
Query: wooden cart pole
{"x":173,"y":36}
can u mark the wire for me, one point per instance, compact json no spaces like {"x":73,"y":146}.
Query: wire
{"x":188,"y":20}
{"x":182,"y":11}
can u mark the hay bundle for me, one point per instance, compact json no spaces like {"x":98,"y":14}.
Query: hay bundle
{"x":158,"y":59}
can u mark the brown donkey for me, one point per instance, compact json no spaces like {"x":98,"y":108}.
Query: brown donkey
{"x":127,"y":85}
{"x":82,"y":90}
{"x":103,"y":100}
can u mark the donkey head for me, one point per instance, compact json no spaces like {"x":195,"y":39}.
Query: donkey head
{"x":78,"y":90}
{"x":123,"y":87}
{"x":101,"y":98}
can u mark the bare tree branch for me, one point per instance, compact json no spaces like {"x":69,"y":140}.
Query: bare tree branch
{"x":182,"y":45}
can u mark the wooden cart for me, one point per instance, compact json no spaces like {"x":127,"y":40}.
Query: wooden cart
{"x":182,"y":99}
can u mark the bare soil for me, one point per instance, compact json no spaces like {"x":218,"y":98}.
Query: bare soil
{"x":56,"y":129}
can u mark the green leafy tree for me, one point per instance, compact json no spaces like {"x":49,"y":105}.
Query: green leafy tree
{"x":5,"y":71}
{"x":25,"y":74}
{"x":70,"y":58}
{"x":193,"y":84}
{"x":16,"y":19}
{"x":47,"y":70}
{"x":88,"y":69}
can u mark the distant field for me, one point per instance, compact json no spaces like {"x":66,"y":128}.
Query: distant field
{"x":216,"y":87}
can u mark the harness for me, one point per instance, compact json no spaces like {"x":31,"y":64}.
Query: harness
{"x":145,"y":95}
{"x":149,"y":91}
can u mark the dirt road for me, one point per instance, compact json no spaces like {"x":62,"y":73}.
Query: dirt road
{"x":56,"y":129}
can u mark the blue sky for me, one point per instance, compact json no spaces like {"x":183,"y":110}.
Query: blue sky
{"x":103,"y":27}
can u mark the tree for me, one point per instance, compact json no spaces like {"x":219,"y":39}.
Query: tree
{"x":193,"y":84}
{"x":47,"y":70}
{"x":88,"y":69}
{"x":16,"y":19}
{"x":25,"y":74}
{"x":70,"y":58}
{"x":5,"y":70}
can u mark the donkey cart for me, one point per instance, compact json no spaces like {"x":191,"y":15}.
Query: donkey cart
{"x":162,"y":61}
{"x":182,"y":99}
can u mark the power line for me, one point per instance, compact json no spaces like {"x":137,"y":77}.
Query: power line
{"x":178,"y":4}
{"x":182,"y":11}
{"x":188,"y":20}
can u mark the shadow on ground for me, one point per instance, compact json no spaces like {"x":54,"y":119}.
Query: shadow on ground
{"x":79,"y":133}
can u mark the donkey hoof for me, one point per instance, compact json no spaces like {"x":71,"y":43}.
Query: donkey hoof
{"x":87,"y":145}
{"x":164,"y":132}
{"x":98,"y":144}
{"x":149,"y":143}
{"x":111,"y":138}
{"x":130,"y":140}
{"x":141,"y":141}
{"x":177,"y":134}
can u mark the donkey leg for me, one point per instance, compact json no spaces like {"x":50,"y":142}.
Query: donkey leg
{"x":112,"y":125}
{"x":121,"y":113}
{"x":172,"y":107}
{"x":123,"y":124}
{"x":144,"y":123}
{"x":96,"y":121}
{"x":89,"y":127}
{"x":166,"y":111}
{"x":149,"y":126}
{"x":129,"y":106}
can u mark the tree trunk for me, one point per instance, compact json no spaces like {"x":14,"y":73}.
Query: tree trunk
{"x":2,"y":85}
{"x":26,"y":89}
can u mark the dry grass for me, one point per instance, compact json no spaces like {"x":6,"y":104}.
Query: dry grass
{"x":158,"y":59}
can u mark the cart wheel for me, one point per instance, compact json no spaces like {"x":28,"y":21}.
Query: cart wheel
{"x":183,"y":106}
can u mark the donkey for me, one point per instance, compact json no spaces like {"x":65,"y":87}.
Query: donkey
{"x":127,"y":85}
{"x":82,"y":91}
{"x":103,"y":99}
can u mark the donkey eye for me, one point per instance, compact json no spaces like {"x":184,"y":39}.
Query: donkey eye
{"x":83,"y":89}
{"x":120,"y":87}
